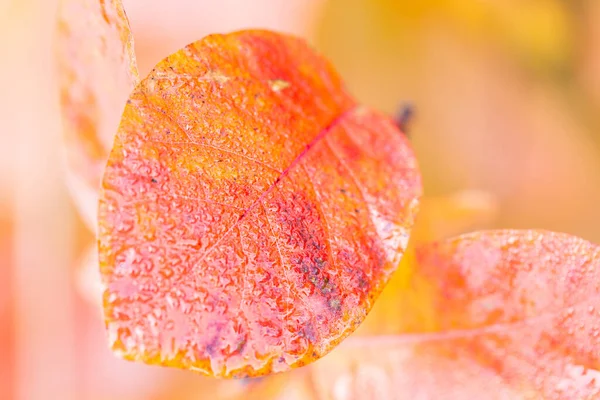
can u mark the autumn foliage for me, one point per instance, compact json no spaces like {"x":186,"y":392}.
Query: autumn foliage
{"x":251,"y":213}
{"x":509,"y":315}
{"x":97,"y":71}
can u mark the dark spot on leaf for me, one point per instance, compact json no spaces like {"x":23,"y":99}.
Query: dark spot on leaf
{"x":211,"y":347}
{"x":241,"y":344}
{"x":309,"y":332}
{"x":362,"y":282}
{"x":334,"y":304}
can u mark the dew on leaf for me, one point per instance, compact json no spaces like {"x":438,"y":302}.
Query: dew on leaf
{"x":543,"y":343}
{"x":248,"y":206}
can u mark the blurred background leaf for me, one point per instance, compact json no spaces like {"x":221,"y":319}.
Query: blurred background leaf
{"x":512,"y":315}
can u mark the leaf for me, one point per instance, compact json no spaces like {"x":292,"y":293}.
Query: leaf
{"x":252,"y":212}
{"x":97,"y":70}
{"x":516,"y":316}
{"x":439,"y":218}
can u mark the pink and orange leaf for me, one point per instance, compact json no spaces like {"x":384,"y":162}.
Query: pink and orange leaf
{"x":96,"y":72}
{"x":251,"y":210}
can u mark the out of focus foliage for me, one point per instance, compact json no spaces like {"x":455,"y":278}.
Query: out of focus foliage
{"x":507,"y":96}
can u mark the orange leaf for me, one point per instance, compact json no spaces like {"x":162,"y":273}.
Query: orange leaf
{"x":517,"y":315}
{"x":252,"y":212}
{"x":97,"y":71}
